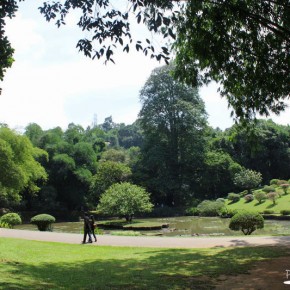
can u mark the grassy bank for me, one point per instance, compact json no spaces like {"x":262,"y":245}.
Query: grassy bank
{"x":43,"y":265}
{"x":282,"y":203}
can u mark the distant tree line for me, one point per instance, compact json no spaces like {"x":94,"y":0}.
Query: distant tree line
{"x":170,"y":150}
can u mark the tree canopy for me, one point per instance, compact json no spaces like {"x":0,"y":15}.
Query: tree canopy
{"x":125,"y":200}
{"x":173,"y":119}
{"x":243,"y":45}
{"x":19,"y":166}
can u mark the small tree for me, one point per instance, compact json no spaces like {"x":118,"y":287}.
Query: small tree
{"x":11,"y":219}
{"x":285,"y":187}
{"x":247,"y":179}
{"x":125,"y":199}
{"x":247,"y":222}
{"x":43,"y":221}
{"x":272,"y":196}
{"x":249,"y":197}
{"x":260,"y":196}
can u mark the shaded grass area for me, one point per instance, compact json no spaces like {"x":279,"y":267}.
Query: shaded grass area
{"x":43,"y":265}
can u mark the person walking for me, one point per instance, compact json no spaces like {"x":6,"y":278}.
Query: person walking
{"x":87,"y":228}
{"x":93,"y":226}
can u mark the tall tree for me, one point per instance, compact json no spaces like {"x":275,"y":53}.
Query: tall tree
{"x":173,"y":120}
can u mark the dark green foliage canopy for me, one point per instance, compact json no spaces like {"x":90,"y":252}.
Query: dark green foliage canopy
{"x":173,"y":120}
{"x":263,"y":146}
{"x":244,"y":45}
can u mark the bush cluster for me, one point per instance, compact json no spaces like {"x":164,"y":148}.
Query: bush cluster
{"x":210,"y":208}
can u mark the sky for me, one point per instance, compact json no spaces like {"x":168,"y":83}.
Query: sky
{"x":52,"y":84}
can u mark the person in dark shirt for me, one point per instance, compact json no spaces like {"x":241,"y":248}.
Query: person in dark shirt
{"x":92,"y":221}
{"x":87,"y":228}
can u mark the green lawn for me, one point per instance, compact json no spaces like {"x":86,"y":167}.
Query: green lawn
{"x":282,"y":203}
{"x":43,"y":265}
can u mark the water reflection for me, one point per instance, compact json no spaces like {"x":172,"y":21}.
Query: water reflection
{"x":184,"y":226}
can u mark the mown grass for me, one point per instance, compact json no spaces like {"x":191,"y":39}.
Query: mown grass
{"x":282,"y":203}
{"x":45,"y":265}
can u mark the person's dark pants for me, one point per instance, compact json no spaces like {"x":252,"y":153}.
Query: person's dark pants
{"x":87,"y":233}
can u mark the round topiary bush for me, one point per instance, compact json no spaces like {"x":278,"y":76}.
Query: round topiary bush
{"x":11,"y":219}
{"x":268,"y":188}
{"x":247,"y":222}
{"x":233,"y":197}
{"x":43,"y":221}
{"x":249,"y":197}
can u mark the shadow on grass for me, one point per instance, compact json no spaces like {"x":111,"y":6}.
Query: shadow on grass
{"x":259,"y":203}
{"x":143,"y":269}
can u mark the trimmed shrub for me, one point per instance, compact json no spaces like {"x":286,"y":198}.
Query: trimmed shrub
{"x":285,"y":212}
{"x":285,"y":187}
{"x":249,"y":197}
{"x":221,"y":200}
{"x":268,"y":188}
{"x":260,"y":196}
{"x":12,"y":219}
{"x":281,"y":181}
{"x":43,"y":222}
{"x":210,"y":208}
{"x":247,"y":222}
{"x":273,"y":196}
{"x":243,"y":193}
{"x":233,"y":197}
{"x":227,"y":212}
{"x":268,"y":211}
{"x":274,"y":181}
{"x":4,"y":225}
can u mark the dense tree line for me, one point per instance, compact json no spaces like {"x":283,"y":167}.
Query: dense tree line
{"x":170,"y":150}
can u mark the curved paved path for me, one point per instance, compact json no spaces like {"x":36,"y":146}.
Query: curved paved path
{"x":156,"y":242}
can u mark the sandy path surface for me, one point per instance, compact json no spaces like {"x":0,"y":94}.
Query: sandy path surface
{"x":156,"y":242}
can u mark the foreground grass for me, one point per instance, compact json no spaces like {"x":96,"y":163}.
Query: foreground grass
{"x":43,"y":265}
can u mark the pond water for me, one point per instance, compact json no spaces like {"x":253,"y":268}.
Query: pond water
{"x":183,"y":226}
